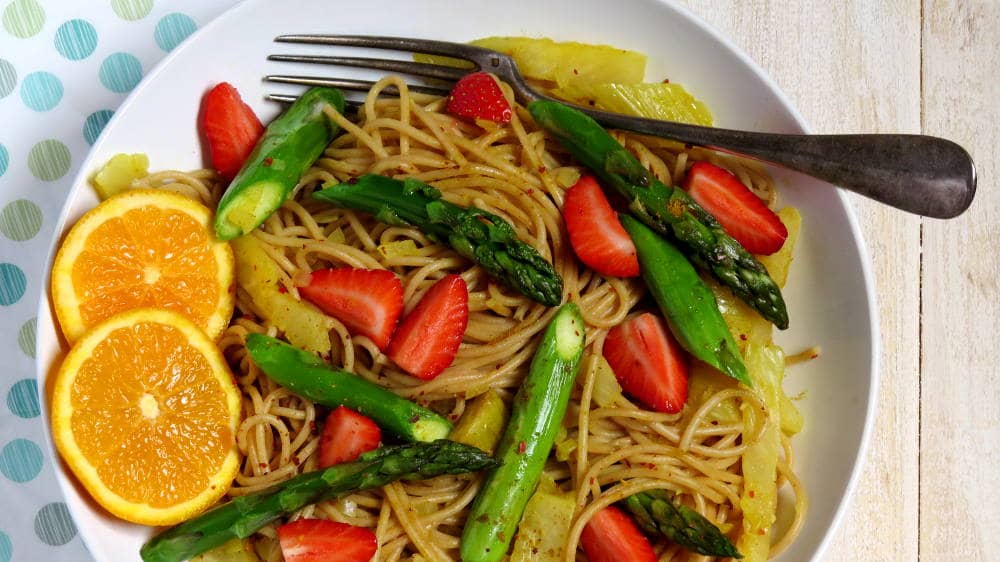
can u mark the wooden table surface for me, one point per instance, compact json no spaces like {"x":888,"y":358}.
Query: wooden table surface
{"x":930,"y":489}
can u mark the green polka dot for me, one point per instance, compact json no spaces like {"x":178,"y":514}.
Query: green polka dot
{"x":22,"y":400}
{"x":4,"y":159}
{"x":132,"y":10}
{"x":20,"y":220}
{"x":76,"y":39}
{"x":8,"y":78}
{"x":26,"y":337}
{"x":21,"y":460}
{"x":6,"y":548}
{"x":120,"y":72}
{"x":95,"y":123}
{"x":23,"y":18}
{"x":41,"y":91}
{"x":12,"y":284}
{"x":49,"y":160}
{"x":172,"y":29}
{"x":53,"y":525}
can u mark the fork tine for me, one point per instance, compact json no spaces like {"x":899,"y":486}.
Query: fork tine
{"x":428,"y":46}
{"x":406,"y":67}
{"x":349,"y":84}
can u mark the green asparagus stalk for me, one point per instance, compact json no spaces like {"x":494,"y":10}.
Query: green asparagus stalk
{"x":289,"y":145}
{"x":244,"y":515}
{"x":310,"y":377}
{"x":480,"y":236}
{"x":667,"y":210}
{"x":538,"y":410}
{"x":656,"y":513}
{"x":688,"y":305}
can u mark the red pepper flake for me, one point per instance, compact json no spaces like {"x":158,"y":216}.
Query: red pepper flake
{"x":814,"y":355}
{"x":268,"y":161}
{"x":576,"y":72}
{"x":666,"y":80}
{"x":262,"y":465}
{"x":591,"y":480}
{"x":761,"y":532}
{"x":743,"y":337}
{"x":521,"y":447}
{"x":751,"y":493}
{"x":282,"y":289}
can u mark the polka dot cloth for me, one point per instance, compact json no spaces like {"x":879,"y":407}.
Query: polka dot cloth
{"x":64,"y":69}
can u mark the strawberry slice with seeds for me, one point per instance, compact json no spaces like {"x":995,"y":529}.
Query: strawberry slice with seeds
{"x":595,"y":233}
{"x":478,"y":96}
{"x":346,"y":434}
{"x":648,"y":362}
{"x":319,"y":540}
{"x":367,"y":301}
{"x":428,"y":337}
{"x":741,"y":213}
{"x":231,"y":128}
{"x":612,"y":536}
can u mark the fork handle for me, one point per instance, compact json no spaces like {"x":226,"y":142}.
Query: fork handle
{"x":926,"y":175}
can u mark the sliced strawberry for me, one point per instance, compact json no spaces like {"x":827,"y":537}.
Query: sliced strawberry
{"x":612,"y":536}
{"x":595,"y":233}
{"x":478,"y":96}
{"x":428,"y":338}
{"x":346,"y":434}
{"x":367,"y":301}
{"x":744,"y":216}
{"x":231,"y":127}
{"x":648,"y":363}
{"x":319,"y":540}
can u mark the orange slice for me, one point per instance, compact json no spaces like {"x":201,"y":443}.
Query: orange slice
{"x":145,"y":413}
{"x":143,"y":248}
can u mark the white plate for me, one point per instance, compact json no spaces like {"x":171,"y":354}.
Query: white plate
{"x":830,"y":293}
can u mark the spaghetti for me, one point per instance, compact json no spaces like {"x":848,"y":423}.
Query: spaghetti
{"x":518,"y":173}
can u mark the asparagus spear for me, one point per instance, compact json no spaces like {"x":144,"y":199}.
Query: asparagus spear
{"x":667,"y":210}
{"x":289,"y":145}
{"x":538,"y":410}
{"x":309,"y":376}
{"x":686,"y":302}
{"x":244,"y":515}
{"x":480,"y":236}
{"x":656,"y":513}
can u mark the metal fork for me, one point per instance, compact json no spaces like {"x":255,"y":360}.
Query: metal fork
{"x":920,"y":174}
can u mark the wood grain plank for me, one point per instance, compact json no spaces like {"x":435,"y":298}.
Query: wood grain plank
{"x":960,"y":421}
{"x":853,"y":66}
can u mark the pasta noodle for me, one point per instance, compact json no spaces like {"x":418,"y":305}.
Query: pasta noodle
{"x":516,"y":172}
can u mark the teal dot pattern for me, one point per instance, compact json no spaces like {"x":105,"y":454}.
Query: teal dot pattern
{"x":41,"y":91}
{"x":8,"y":78}
{"x":120,"y":72}
{"x":95,"y":123}
{"x":76,"y":39}
{"x":6,"y":548}
{"x":172,"y":29}
{"x":12,"y":284}
{"x":22,"y":400}
{"x":53,"y":525}
{"x":20,"y":460}
{"x":64,"y":69}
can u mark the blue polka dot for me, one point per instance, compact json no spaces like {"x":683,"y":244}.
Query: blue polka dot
{"x":21,"y":460}
{"x":76,"y":39}
{"x":6,"y":548}
{"x":41,"y":91}
{"x":12,"y":284}
{"x":4,"y":159}
{"x":172,"y":29}
{"x":120,"y":72}
{"x":53,"y":525}
{"x":95,"y":123}
{"x":23,"y":399}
